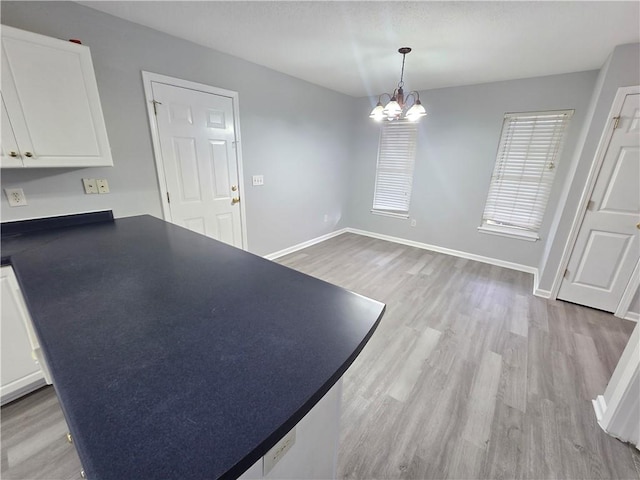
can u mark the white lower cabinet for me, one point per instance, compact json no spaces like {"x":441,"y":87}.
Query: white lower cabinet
{"x":20,"y":370}
{"x":310,"y":449}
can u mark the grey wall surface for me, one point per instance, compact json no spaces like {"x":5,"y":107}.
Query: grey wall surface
{"x":456,"y":152}
{"x":621,"y":69}
{"x":304,"y":158}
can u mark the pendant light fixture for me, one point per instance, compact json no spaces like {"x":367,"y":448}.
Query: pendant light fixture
{"x":398,"y":107}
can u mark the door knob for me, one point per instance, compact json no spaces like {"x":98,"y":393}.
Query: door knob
{"x":638,"y":226}
{"x":13,"y":154}
{"x":28,"y":154}
{"x":235,"y":200}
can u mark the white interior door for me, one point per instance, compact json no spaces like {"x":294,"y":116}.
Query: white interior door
{"x":196,"y":133}
{"x":607,"y":247}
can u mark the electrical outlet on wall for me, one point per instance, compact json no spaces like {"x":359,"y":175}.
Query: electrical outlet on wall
{"x":16,"y":197}
{"x":413,"y":222}
{"x":90,"y":185}
{"x":273,"y":456}
{"x":103,"y":185}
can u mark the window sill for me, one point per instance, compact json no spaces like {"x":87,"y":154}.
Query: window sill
{"x":509,"y":232}
{"x":390,"y":214}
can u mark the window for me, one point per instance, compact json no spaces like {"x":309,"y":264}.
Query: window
{"x":394,"y":173}
{"x":525,"y":168}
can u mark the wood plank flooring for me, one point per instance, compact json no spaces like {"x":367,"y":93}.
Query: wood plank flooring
{"x":468,"y":376}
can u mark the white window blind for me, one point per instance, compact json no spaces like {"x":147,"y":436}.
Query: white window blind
{"x":394,"y":173}
{"x":525,"y":168}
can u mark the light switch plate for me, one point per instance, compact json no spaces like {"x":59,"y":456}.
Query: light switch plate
{"x":258,"y":180}
{"x":103,"y":185}
{"x":90,"y":185}
{"x":16,"y":197}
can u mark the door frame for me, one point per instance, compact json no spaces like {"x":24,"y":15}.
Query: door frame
{"x":147,"y":79}
{"x":587,"y":192}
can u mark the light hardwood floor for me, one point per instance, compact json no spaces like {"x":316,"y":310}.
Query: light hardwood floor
{"x":468,"y":376}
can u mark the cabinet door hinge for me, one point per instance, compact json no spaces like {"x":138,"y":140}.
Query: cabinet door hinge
{"x":155,"y":106}
{"x":168,"y":198}
{"x":617,"y":122}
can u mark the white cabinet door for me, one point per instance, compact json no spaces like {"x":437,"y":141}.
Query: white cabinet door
{"x":9,"y":152}
{"x":51,"y":96}
{"x":20,"y":373}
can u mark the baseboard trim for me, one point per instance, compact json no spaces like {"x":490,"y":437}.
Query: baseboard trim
{"x":308,"y":243}
{"x":633,"y":316}
{"x":538,"y":292}
{"x":600,"y":406}
{"x":425,"y":246}
{"x":448,"y":251}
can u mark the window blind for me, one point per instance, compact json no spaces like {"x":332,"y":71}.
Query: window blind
{"x":394,"y":173}
{"x":525,"y":168}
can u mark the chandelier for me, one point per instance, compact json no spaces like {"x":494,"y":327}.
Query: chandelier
{"x":398,"y":107}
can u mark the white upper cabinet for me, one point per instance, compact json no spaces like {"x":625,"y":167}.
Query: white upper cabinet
{"x":50,"y":105}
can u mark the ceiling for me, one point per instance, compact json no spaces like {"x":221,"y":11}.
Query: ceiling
{"x":351,"y":47}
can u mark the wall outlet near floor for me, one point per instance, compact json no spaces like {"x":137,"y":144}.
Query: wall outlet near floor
{"x":103,"y":185}
{"x":413,"y":222}
{"x":273,"y":456}
{"x":326,"y":218}
{"x":90,"y":185}
{"x":258,"y":180}
{"x":16,"y":197}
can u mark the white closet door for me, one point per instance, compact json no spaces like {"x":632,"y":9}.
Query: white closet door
{"x":608,"y":244}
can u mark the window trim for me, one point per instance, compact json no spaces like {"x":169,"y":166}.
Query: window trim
{"x":522,"y":233}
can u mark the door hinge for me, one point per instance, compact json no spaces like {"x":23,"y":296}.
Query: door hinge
{"x":617,"y":122}
{"x":566,"y":273}
{"x":591,"y":204}
{"x":155,"y":106}
{"x":168,"y":198}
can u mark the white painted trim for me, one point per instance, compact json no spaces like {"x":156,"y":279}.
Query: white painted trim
{"x":448,"y":251}
{"x":147,"y":79}
{"x":600,"y":406}
{"x":633,"y":316}
{"x":403,"y":216}
{"x":617,"y":409}
{"x":509,"y":233}
{"x":541,"y":293}
{"x":308,"y":243}
{"x":601,"y":151}
{"x":629,"y":292}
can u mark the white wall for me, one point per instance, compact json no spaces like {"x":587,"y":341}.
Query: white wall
{"x":304,"y":158}
{"x":457,"y":146}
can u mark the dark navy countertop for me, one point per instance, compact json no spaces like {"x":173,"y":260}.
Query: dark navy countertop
{"x":176,"y":356}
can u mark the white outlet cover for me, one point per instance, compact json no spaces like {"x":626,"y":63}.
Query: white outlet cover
{"x":103,"y":185}
{"x":90,"y":185}
{"x":273,"y":456}
{"x":16,"y":197}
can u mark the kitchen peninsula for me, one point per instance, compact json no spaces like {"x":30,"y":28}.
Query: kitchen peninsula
{"x":174,"y":355}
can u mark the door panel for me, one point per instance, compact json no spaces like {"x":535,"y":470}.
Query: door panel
{"x":608,"y":243}
{"x":197,"y":140}
{"x":8,"y":146}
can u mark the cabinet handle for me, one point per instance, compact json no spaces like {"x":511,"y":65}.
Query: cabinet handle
{"x":13,"y":154}
{"x":28,"y":154}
